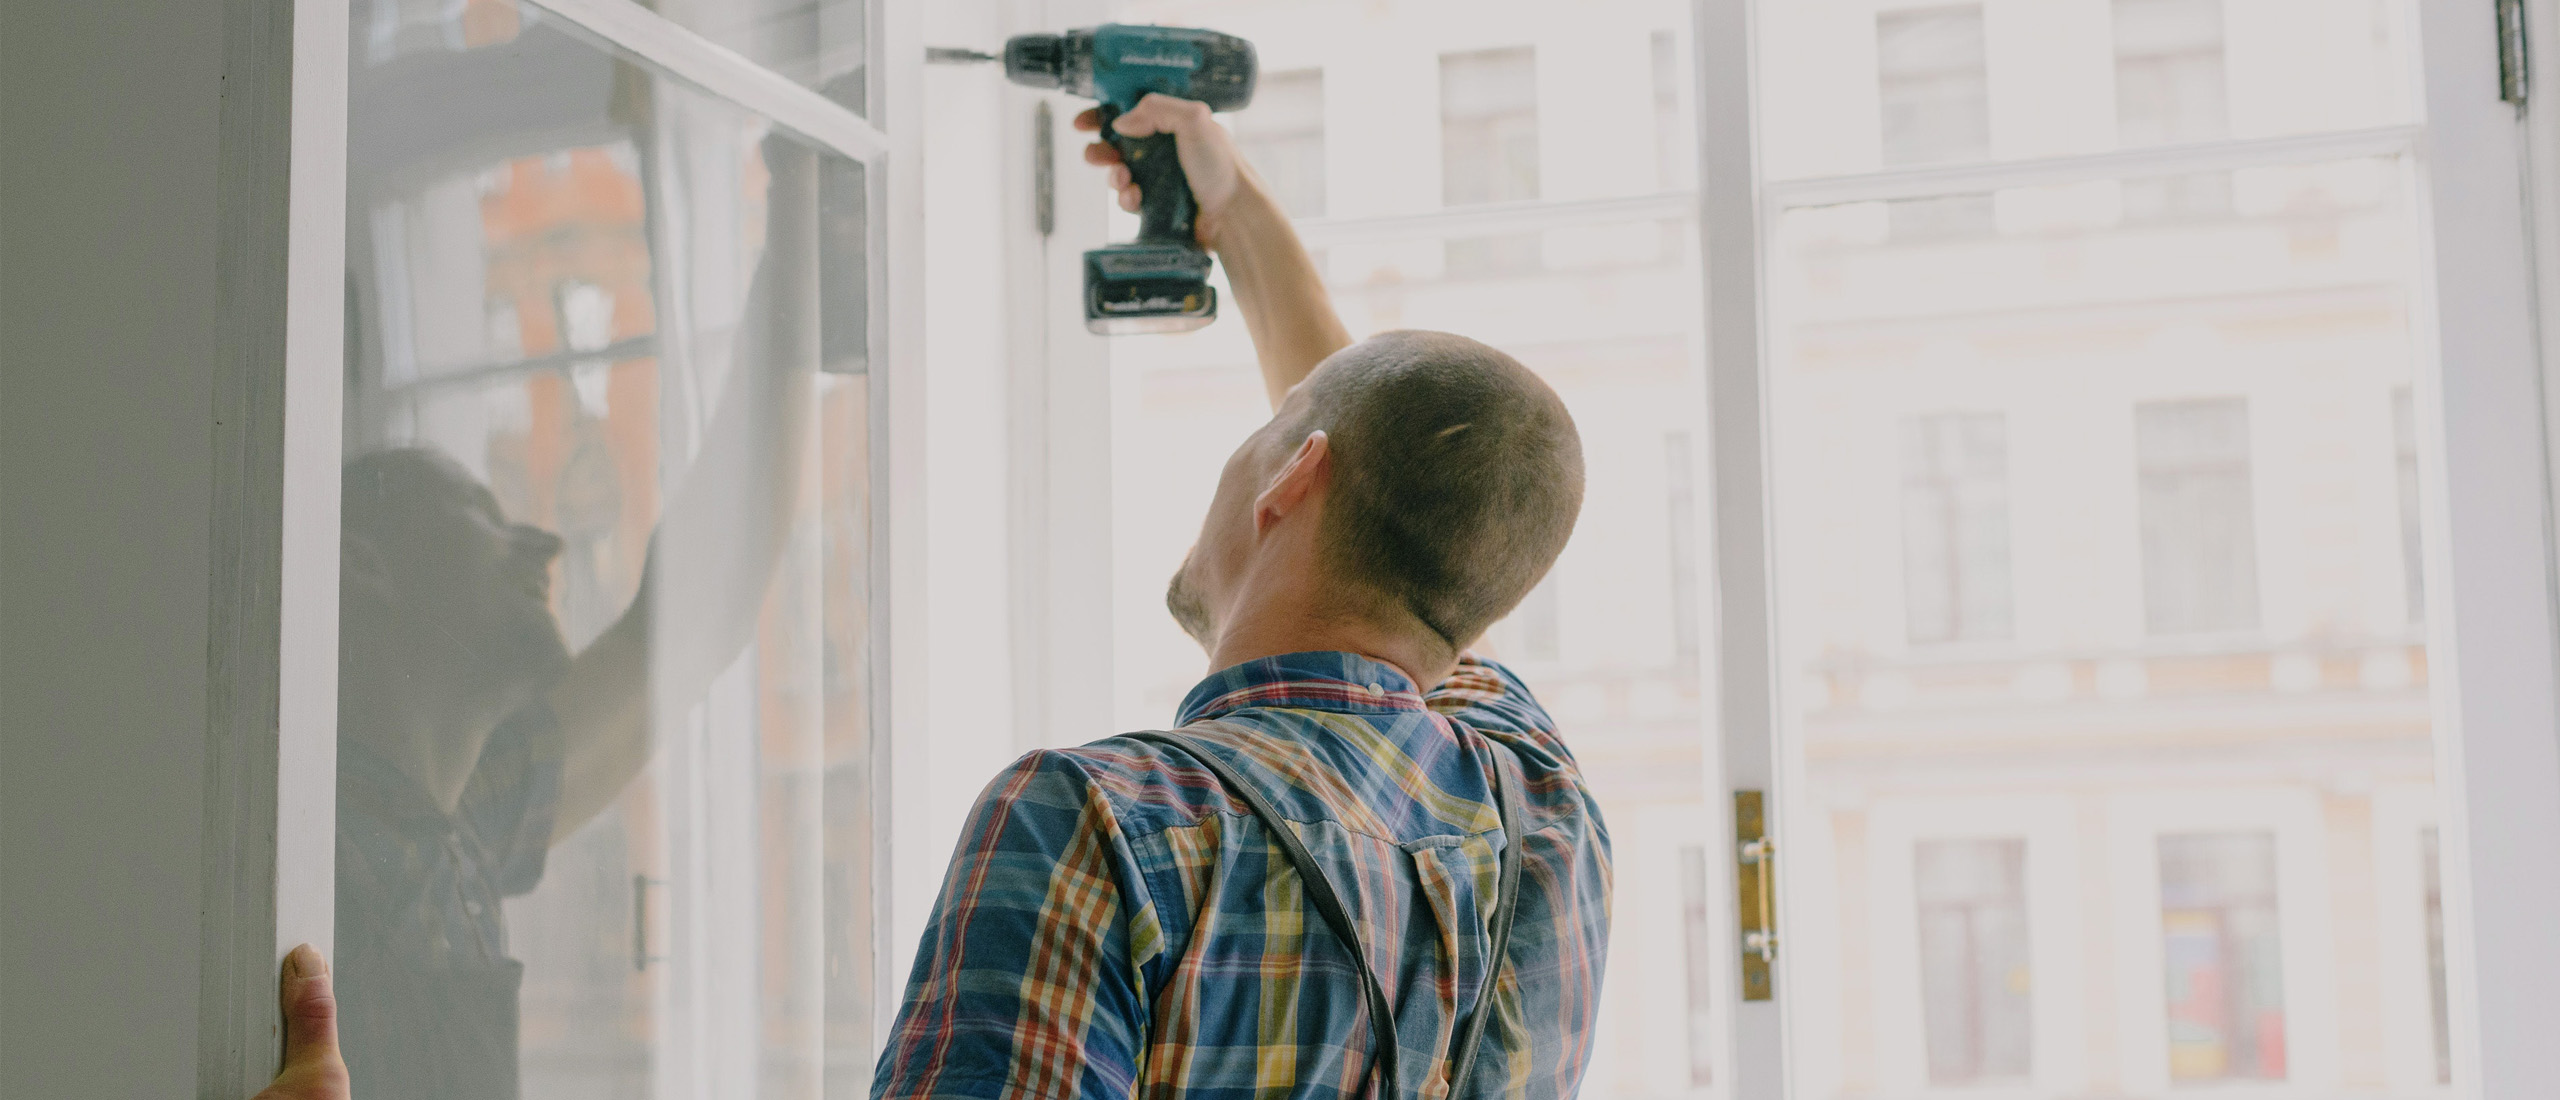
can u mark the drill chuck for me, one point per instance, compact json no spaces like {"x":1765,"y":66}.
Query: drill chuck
{"x":1035,"y":60}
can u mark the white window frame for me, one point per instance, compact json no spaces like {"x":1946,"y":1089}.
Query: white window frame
{"x":2486,"y":490}
{"x":271,"y":883}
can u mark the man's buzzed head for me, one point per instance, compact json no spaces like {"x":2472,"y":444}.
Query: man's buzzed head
{"x":1457,"y":477}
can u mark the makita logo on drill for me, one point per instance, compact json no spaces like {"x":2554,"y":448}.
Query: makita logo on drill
{"x":1162,"y":61}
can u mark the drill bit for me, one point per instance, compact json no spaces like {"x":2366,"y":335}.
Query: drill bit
{"x":955,"y":55}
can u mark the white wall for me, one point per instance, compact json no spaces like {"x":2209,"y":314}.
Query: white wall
{"x":107,"y":355}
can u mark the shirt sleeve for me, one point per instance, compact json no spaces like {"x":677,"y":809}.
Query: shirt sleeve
{"x":512,"y":797}
{"x":1025,"y":985}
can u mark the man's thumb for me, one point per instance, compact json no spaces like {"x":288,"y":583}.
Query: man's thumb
{"x":311,"y":1014}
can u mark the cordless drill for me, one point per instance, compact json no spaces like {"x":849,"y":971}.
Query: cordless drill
{"x":1159,"y":282}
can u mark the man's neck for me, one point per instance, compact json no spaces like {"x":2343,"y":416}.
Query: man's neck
{"x":1270,"y":631}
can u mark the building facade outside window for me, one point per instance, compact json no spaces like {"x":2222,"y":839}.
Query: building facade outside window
{"x":1976,"y":980}
{"x":2221,"y":943}
{"x":2199,"y":528}
{"x":1955,"y":527}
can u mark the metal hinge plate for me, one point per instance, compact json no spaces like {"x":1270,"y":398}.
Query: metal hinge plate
{"x":1755,"y":878}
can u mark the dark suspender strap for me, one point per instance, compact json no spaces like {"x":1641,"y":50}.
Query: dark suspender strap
{"x":1328,"y":903}
{"x":1319,"y":888}
{"x":1506,"y":903}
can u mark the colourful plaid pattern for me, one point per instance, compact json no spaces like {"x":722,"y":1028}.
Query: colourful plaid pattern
{"x":1114,"y":924}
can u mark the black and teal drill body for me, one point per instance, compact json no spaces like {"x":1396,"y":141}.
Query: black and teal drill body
{"x":1159,"y":282}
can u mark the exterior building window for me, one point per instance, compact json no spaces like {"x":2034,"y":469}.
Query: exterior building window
{"x":1489,"y":126}
{"x":2431,"y":879}
{"x":2404,"y":438}
{"x":1489,"y":151}
{"x":1282,"y":135}
{"x":1677,"y":169}
{"x":2170,"y":89}
{"x":1976,"y":982}
{"x":1701,"y":951}
{"x":1683,"y":506}
{"x":2199,"y":538}
{"x":1955,"y":527}
{"x":1936,"y":94}
{"x":2225,"y":971}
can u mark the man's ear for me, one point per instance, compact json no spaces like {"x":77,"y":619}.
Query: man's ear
{"x":1308,"y":470}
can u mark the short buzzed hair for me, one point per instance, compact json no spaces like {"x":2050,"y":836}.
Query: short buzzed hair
{"x":1457,"y":476}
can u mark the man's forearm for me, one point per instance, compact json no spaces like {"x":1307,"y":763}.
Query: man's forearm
{"x":1283,"y":298}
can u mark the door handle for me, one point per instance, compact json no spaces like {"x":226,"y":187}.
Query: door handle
{"x":1755,"y":877}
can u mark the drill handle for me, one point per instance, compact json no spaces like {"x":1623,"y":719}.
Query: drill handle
{"x":1166,"y":209}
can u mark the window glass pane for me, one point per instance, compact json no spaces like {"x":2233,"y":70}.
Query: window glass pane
{"x":1489,"y":126}
{"x":604,"y":817}
{"x":1932,"y":85}
{"x":1605,"y":310}
{"x":2431,"y":879}
{"x":2219,"y":937}
{"x":2169,"y":71}
{"x":2146,"y":472}
{"x":2404,"y":436}
{"x":1673,"y":143}
{"x":1955,"y":527}
{"x":1858,"y":85}
{"x":2199,"y":542}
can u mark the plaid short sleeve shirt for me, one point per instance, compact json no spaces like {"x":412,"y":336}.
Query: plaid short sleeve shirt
{"x":1114,"y":924}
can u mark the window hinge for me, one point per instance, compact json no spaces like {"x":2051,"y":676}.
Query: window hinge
{"x":1755,"y":895}
{"x":2515,"y":81}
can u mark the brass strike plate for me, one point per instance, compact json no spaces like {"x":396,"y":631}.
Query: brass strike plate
{"x":1755,"y":881}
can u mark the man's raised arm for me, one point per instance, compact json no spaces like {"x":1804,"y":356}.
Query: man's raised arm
{"x":1276,"y":284}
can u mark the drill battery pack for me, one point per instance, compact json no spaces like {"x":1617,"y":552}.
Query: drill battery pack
{"x":1143,"y":287}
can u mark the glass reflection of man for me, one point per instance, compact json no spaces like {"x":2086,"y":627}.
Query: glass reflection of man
{"x":471,"y":737}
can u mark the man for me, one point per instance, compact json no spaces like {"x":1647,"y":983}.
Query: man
{"x":1116,"y":923}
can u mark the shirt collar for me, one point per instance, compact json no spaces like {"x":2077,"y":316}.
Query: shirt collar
{"x":1331,"y":681}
